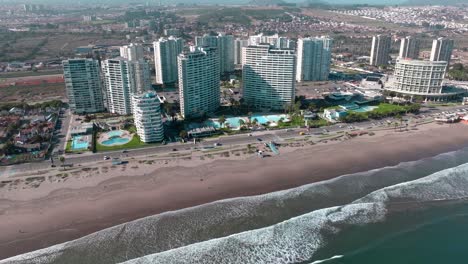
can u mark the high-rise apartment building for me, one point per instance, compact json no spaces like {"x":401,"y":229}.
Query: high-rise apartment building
{"x":417,"y":77}
{"x":313,"y":59}
{"x":268,"y":76}
{"x":380,"y":51}
{"x":442,"y":50}
{"x":166,"y":51}
{"x":122,"y":78}
{"x":83,"y":85}
{"x":132,"y":52}
{"x":147,"y":117}
{"x":225,"y":49}
{"x":238,"y":45}
{"x":409,"y":48}
{"x":199,"y":79}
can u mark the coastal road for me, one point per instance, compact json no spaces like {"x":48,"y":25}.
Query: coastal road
{"x":226,"y":141}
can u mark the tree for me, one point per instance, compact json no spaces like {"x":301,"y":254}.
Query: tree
{"x":222,"y":120}
{"x":62,"y":160}
{"x":312,"y":107}
{"x":241,"y":123}
{"x":183,"y":134}
{"x":249,"y":115}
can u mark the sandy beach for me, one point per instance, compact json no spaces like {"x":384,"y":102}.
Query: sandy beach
{"x":37,"y":211}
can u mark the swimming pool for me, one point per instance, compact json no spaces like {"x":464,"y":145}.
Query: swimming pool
{"x":263,"y":119}
{"x":234,"y":122}
{"x":365,"y":109}
{"x":79,"y":143}
{"x":115,"y":141}
{"x":114,"y":137}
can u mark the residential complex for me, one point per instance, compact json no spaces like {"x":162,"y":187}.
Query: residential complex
{"x":416,"y":77}
{"x":132,"y":52}
{"x":380,"y":51}
{"x":166,"y":51}
{"x":274,"y":40}
{"x":313,"y":59}
{"x":225,"y":49}
{"x":409,"y":48}
{"x":83,"y":85}
{"x":147,"y":117}
{"x":122,"y":78}
{"x":199,"y":80}
{"x":442,"y":50}
{"x":268,"y":76}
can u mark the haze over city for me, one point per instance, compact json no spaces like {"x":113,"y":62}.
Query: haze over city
{"x":256,"y":131}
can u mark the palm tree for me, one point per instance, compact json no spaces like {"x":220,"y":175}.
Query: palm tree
{"x":222,"y":120}
{"x":241,"y":123}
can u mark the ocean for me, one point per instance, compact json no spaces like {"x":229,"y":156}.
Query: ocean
{"x":415,"y":212}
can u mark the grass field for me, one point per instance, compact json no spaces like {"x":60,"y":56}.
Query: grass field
{"x":39,"y":93}
{"x":29,"y":73}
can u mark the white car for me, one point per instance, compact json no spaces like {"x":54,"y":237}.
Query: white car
{"x":106,"y":157}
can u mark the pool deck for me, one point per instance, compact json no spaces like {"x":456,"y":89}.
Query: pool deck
{"x":105,"y":136}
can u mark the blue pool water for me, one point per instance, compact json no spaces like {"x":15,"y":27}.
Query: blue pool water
{"x":262,"y":119}
{"x":115,"y":141}
{"x":365,"y":109}
{"x":115,"y":133}
{"x":234,"y":122}
{"x":79,"y":143}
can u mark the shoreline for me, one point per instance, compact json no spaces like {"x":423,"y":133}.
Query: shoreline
{"x":69,"y":213}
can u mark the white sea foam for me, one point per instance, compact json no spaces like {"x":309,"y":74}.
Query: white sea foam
{"x":328,"y":259}
{"x":447,"y":184}
{"x":291,"y":241}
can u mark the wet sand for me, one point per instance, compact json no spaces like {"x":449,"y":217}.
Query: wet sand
{"x":64,"y":214}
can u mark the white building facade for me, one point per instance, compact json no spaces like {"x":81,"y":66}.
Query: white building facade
{"x":416,"y":77}
{"x":83,"y":85}
{"x":380,"y":51}
{"x":409,"y":48}
{"x":199,"y":82}
{"x":224,"y":45}
{"x":166,"y":51}
{"x":238,"y":45}
{"x":147,"y":117}
{"x":122,"y":78}
{"x":442,"y":50}
{"x":268,"y":76}
{"x":313,"y":59}
{"x":132,"y":52}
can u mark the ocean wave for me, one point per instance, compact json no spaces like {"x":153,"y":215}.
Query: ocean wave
{"x":292,"y":241}
{"x":447,"y":184}
{"x":172,"y":230}
{"x":297,"y":240}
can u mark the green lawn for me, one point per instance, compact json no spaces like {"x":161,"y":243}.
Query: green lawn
{"x":134,"y":143}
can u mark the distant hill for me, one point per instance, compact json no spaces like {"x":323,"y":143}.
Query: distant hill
{"x":434,"y":2}
{"x":314,"y":3}
{"x":267,"y":2}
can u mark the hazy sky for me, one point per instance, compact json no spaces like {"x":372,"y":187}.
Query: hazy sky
{"x":197,"y":1}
